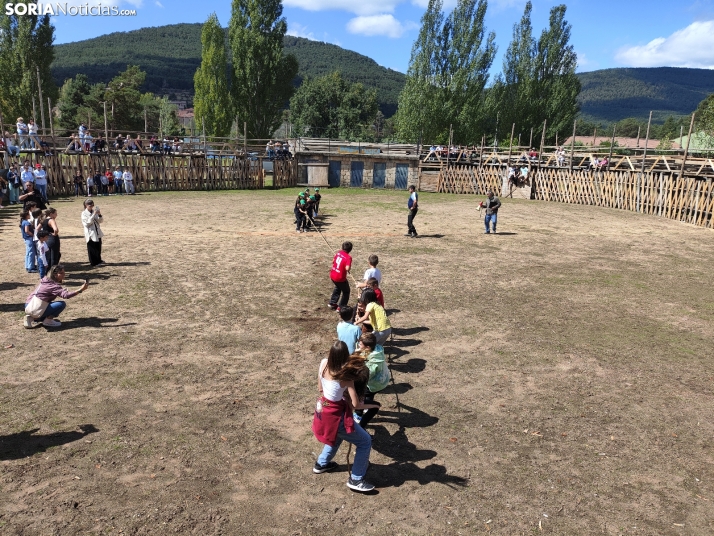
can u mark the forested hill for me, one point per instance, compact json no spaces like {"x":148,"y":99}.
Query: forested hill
{"x":171,"y":54}
{"x":613,"y":94}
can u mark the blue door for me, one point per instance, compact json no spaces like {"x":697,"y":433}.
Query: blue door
{"x":356,"y":172}
{"x":379,"y":175}
{"x":333,"y":174}
{"x":401,"y":177}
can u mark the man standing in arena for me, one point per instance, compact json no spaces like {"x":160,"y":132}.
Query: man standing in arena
{"x":413,"y":205}
{"x":492,"y":204}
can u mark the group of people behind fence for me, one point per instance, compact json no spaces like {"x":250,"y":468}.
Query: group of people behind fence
{"x":355,"y":370}
{"x":117,"y":182}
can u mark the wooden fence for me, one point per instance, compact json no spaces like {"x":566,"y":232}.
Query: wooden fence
{"x":664,"y":194}
{"x":156,"y":172}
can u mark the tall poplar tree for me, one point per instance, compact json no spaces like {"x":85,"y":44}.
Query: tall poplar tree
{"x":25,"y":44}
{"x":261,"y":82}
{"x":448,"y":72}
{"x":212,"y":101}
{"x":538,"y":82}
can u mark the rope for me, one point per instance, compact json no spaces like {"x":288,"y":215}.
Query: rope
{"x":333,"y":250}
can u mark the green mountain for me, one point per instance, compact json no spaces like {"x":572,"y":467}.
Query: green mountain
{"x":613,"y":94}
{"x":171,"y":54}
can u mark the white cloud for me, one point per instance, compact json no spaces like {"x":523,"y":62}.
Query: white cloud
{"x":379,"y":25}
{"x":298,"y":30}
{"x":364,"y":7}
{"x":159,"y":4}
{"x":692,"y":46}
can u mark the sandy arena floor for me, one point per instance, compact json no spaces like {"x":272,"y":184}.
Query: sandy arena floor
{"x":556,"y":378}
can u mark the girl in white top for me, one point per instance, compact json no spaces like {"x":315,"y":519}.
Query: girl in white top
{"x":336,"y":375}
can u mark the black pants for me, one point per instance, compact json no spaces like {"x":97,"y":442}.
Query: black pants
{"x":410,"y":220}
{"x":368,"y":414}
{"x":53,"y":255}
{"x":341,"y":288}
{"x":94,"y":250}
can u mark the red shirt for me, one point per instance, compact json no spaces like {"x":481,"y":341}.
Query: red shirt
{"x":380,"y":296}
{"x":340,"y":263}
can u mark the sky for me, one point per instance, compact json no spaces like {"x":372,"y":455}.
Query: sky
{"x":605,"y":33}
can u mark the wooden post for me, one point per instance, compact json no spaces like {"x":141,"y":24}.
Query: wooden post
{"x":106,"y":128}
{"x":612,"y":143}
{"x":42,"y":106}
{"x":34,"y":110}
{"x":480,"y":156}
{"x":146,"y":121}
{"x":638,"y":136}
{"x":595,"y":137}
{"x":7,"y":156}
{"x":205,"y":146}
{"x":556,"y":140}
{"x":89,"y":120}
{"x":572,"y":146}
{"x":647,"y":138}
{"x":530,"y":141}
{"x":49,"y":109}
{"x":542,"y":144}
{"x":641,"y":176}
{"x":245,"y":138}
{"x":689,"y":142}
{"x":681,"y":134}
{"x":510,"y":147}
{"x":519,"y":140}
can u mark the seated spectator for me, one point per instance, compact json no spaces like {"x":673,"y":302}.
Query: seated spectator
{"x":99,"y":145}
{"x":533,"y":154}
{"x":119,"y":142}
{"x":524,"y":173}
{"x":74,"y":145}
{"x":154,"y":145}
{"x":176,"y":146}
{"x":130,"y":145}
{"x":46,"y":147}
{"x":87,"y":143}
{"x":560,"y":156}
{"x":10,"y":140}
{"x":166,"y":145}
{"x":603,"y":163}
{"x":139,"y":143}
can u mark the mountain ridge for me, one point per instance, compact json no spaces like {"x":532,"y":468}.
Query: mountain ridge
{"x":171,"y":54}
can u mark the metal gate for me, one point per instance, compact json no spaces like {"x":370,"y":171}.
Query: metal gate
{"x":379,"y":175}
{"x":356,"y":173}
{"x":401,"y":177}
{"x":333,"y":173}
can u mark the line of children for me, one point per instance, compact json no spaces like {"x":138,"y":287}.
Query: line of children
{"x":306,"y":209}
{"x":346,"y":419}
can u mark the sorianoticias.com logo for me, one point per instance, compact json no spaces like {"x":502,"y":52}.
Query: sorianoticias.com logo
{"x":58,"y":8}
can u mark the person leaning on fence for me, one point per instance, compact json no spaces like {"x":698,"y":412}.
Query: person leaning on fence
{"x":128,"y":180}
{"x":12,"y":149}
{"x":41,"y":307}
{"x":492,"y":204}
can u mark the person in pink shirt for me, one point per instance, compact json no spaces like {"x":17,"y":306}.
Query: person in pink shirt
{"x":48,"y":290}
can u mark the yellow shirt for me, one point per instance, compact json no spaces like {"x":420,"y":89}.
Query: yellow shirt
{"x":377,"y":316}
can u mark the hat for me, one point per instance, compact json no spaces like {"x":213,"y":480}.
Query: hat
{"x":302,"y":201}
{"x":38,"y":165}
{"x":302,"y":194}
{"x":317,"y":189}
{"x":312,"y":197}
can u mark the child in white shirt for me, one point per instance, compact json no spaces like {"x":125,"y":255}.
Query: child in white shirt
{"x":371,"y":272}
{"x":42,"y":249}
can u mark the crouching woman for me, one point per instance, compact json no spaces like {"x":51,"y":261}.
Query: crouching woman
{"x":342,"y":381}
{"x":41,"y":307}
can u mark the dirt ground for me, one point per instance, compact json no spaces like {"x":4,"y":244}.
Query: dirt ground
{"x":556,"y":378}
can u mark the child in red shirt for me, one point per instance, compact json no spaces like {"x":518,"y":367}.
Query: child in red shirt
{"x":374,"y":285}
{"x":341,"y":265}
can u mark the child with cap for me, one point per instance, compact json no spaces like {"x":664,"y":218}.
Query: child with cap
{"x":301,"y":213}
{"x":317,"y":201}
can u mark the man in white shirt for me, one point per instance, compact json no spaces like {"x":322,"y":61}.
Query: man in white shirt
{"x":91,"y":220}
{"x":128,"y":182}
{"x":41,"y":180}
{"x":118,"y":181}
{"x":27,"y":175}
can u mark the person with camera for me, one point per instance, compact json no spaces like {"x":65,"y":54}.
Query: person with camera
{"x":91,"y":220}
{"x":41,"y":307}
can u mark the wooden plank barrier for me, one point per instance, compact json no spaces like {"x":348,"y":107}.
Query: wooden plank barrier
{"x":664,"y":194}
{"x":157,"y":172}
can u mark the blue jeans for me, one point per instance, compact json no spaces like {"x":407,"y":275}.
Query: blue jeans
{"x":12,"y":193}
{"x":42,"y":268}
{"x":360,"y":439}
{"x":13,"y":150}
{"x":42,"y":188}
{"x":490,"y":218}
{"x":54,"y":309}
{"x":30,"y":254}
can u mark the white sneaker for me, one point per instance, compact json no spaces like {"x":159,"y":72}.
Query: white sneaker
{"x":51,"y":323}
{"x":29,"y":322}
